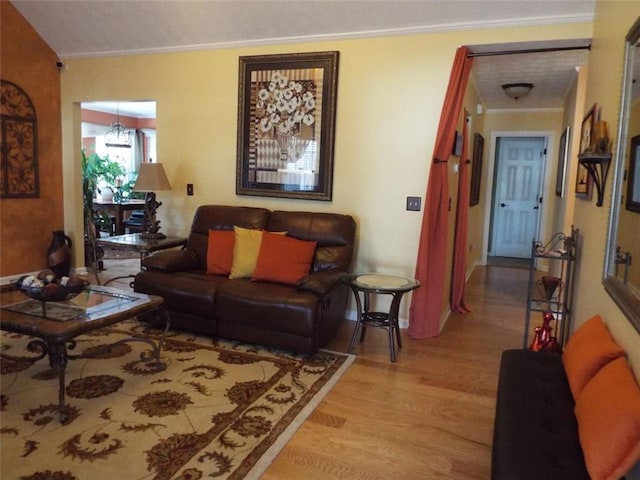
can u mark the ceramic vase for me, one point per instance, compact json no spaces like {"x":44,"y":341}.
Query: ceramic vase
{"x":59,"y":254}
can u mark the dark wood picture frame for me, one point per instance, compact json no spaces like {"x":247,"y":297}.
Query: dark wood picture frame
{"x":633,"y":176}
{"x":286,"y":125}
{"x":563,"y":152}
{"x":583,"y":180}
{"x":476,"y":169}
{"x":586,"y":131}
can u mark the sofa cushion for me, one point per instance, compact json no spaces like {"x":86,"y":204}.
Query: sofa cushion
{"x":535,"y":432}
{"x":220,"y":251}
{"x":244,"y":307}
{"x":608,"y":413}
{"x":587,"y":351}
{"x":245,"y":252}
{"x":171,"y":261}
{"x":283,"y":259}
{"x":188,"y":292}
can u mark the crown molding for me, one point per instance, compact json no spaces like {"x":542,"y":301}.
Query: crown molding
{"x":448,"y":27}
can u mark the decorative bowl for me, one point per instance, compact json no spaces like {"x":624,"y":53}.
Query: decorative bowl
{"x":52,"y":292}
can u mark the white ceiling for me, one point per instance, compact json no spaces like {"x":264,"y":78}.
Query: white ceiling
{"x":81,"y":28}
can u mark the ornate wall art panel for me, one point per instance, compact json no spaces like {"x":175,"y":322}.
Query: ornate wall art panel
{"x":18,"y":143}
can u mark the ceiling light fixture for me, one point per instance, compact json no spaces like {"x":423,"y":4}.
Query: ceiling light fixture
{"x":118,"y":136}
{"x":517,"y":90}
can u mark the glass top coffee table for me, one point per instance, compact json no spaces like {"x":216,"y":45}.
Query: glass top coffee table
{"x":144,"y":244}
{"x":56,"y":326}
{"x":140,"y":242}
{"x":378,"y":283}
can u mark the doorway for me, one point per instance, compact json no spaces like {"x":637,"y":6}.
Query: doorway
{"x":515,"y":212}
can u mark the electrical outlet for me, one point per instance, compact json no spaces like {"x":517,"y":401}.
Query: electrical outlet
{"x":189,"y":188}
{"x":414,"y":204}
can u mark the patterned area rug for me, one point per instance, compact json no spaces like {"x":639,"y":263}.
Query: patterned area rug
{"x":219,"y":410}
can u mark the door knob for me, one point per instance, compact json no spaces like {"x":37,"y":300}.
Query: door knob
{"x":503,"y":205}
{"x":536,"y":207}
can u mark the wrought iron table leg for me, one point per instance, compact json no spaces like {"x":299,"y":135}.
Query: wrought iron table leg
{"x":58,"y":358}
{"x":58,"y":361}
{"x":394,"y":325}
{"x":155,"y":347}
{"x":389,"y":321}
{"x":359,"y":328}
{"x":144,"y":357}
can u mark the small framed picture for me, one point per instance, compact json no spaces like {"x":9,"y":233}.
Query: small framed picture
{"x":583,"y":179}
{"x":586,"y":133}
{"x":562,"y":162}
{"x":476,"y":169}
{"x":583,"y":182}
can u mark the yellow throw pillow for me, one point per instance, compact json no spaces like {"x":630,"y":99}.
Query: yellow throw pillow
{"x":245,"y":252}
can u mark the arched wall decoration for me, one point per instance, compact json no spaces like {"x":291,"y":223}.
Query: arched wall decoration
{"x":18,"y":143}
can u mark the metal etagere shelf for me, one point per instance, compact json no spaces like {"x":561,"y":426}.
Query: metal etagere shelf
{"x":553,"y":292}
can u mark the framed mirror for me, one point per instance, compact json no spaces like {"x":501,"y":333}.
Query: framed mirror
{"x":622,"y":262}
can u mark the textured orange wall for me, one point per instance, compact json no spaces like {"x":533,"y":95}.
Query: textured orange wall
{"x":26,"y":224}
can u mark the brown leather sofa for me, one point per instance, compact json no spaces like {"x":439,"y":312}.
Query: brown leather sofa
{"x":300,"y":318}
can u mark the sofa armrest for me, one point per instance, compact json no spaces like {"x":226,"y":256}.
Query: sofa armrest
{"x":320,"y":282}
{"x":172,"y":261}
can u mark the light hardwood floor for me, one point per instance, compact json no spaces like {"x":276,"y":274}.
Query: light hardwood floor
{"x":427,"y":416}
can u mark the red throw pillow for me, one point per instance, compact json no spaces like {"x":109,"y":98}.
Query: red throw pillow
{"x":589,"y":349}
{"x":220,"y":251}
{"x":283,"y":259}
{"x":608,"y":414}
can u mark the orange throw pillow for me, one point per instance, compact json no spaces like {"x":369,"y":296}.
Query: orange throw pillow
{"x":283,"y":259}
{"x":220,"y":251}
{"x":589,"y":349}
{"x":608,"y":413}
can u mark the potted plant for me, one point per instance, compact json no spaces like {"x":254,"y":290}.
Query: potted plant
{"x":94,"y":169}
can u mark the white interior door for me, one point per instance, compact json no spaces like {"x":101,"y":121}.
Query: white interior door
{"x":517,"y":195}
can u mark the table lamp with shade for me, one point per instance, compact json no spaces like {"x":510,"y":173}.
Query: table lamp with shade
{"x":151,"y":178}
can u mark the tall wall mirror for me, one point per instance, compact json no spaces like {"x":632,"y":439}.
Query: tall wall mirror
{"x":622,"y":264}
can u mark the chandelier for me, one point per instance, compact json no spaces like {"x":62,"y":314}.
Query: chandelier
{"x":118,"y":136}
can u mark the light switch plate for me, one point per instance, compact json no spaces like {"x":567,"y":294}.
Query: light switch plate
{"x":414,"y":204}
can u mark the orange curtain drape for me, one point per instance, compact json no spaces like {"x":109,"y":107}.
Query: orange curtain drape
{"x":462,"y":218}
{"x":427,"y":301}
